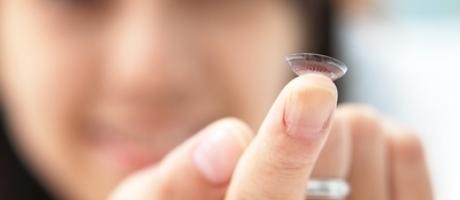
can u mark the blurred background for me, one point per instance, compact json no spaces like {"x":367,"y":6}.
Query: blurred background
{"x":403,"y":56}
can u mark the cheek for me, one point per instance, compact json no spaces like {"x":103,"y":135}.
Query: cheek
{"x":249,"y":63}
{"x":42,"y":78}
{"x":46,"y":75}
{"x":45,"y":86}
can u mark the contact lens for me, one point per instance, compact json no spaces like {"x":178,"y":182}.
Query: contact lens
{"x":304,"y":63}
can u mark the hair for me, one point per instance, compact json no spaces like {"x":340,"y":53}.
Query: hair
{"x":17,"y":182}
{"x":317,"y":15}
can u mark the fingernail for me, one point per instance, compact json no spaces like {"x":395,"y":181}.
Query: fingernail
{"x":310,"y":107}
{"x":217,"y":154}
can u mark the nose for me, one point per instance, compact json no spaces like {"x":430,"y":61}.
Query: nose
{"x":143,"y":51}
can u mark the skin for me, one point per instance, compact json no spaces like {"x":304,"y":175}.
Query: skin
{"x":121,"y":100}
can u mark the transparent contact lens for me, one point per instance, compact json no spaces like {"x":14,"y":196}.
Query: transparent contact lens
{"x":304,"y":63}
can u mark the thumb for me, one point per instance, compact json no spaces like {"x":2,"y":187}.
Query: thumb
{"x":198,"y":169}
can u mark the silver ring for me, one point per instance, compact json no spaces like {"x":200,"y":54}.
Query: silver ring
{"x":330,"y":189}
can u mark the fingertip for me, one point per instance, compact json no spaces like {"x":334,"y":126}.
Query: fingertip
{"x":217,"y":154}
{"x":365,"y":122}
{"x":200,"y":168}
{"x":406,"y":144}
{"x":410,"y":174}
{"x":315,"y":82}
{"x":243,"y":132}
{"x":309,"y":105}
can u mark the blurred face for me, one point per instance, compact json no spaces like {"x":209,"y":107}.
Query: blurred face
{"x":96,"y":89}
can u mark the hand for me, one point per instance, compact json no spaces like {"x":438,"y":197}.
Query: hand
{"x":379,"y":158}
{"x":226,"y":161}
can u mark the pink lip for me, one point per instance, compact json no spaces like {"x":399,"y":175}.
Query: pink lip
{"x":133,"y":140}
{"x":125,"y":152}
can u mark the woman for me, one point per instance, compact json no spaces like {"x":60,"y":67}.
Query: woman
{"x":130,"y":99}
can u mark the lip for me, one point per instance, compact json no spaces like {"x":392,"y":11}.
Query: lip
{"x":125,"y":150}
{"x":133,"y":139}
{"x":132,"y":142}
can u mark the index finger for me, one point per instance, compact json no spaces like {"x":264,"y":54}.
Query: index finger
{"x":279,"y":161}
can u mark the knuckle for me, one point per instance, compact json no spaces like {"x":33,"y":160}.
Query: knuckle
{"x":356,"y":108}
{"x":244,"y":131}
{"x":239,"y":124}
{"x":405,"y":143}
{"x":234,"y":121}
{"x":364,"y":121}
{"x":408,"y":147}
